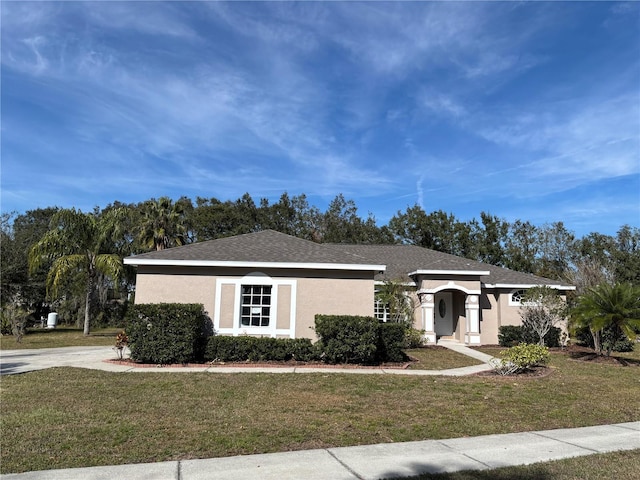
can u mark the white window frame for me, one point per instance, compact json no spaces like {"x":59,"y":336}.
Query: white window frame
{"x":256,"y":308}
{"x":516,"y":303}
{"x":255,"y":278}
{"x":381,"y":310}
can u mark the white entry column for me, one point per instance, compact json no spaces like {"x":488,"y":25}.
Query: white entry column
{"x":472,"y":307}
{"x":427,"y":304}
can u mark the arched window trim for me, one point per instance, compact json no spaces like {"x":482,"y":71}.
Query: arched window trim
{"x":515,"y":297}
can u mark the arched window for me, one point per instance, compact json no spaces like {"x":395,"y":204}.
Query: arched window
{"x":516,"y":297}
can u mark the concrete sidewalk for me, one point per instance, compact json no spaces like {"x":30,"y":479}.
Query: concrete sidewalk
{"x":370,"y":462}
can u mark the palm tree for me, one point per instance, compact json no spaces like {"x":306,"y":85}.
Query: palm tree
{"x":616,"y":306}
{"x":163,"y":224}
{"x":78,"y":244}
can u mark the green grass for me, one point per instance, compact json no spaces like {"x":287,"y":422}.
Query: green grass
{"x":439,"y":358}
{"x":60,"y":337}
{"x":605,"y":466}
{"x":66,"y":417}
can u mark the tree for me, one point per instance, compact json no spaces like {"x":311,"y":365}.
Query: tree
{"x":522,"y":247}
{"x":290,"y":215}
{"x":212,"y":219}
{"x":163,"y":223}
{"x":438,"y":231}
{"x":397,"y":301}
{"x":626,"y":256}
{"x":19,"y":233}
{"x":614,"y":306}
{"x":556,"y":246}
{"x":542,"y":308}
{"x":78,"y":245}
{"x":342,"y":224}
{"x":490,"y":239}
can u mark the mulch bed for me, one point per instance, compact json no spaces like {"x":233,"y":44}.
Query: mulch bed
{"x":585,"y":354}
{"x":530,"y":374}
{"x":131,"y":363}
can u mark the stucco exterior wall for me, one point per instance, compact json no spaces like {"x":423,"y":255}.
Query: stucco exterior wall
{"x":300,"y":295}
{"x":159,"y":287}
{"x":331,"y":296}
{"x":445,"y":283}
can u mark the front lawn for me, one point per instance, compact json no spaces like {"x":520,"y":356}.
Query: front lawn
{"x":438,"y":358}
{"x":60,"y":337}
{"x":66,"y":417}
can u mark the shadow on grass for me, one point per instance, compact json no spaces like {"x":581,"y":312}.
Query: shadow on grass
{"x":607,"y":360}
{"x":428,"y":472}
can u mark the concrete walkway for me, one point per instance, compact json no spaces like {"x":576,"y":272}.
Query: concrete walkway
{"x":21,"y":361}
{"x":372,"y":462}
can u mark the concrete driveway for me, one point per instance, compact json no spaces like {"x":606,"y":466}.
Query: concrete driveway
{"x":21,"y":361}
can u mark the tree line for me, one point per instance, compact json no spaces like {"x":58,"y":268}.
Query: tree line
{"x":85,"y":249}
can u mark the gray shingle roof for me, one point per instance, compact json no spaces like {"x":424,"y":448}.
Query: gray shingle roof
{"x":404,"y":259}
{"x":269,"y":246}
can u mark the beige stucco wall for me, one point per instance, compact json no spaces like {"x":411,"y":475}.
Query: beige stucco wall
{"x":316,"y":292}
{"x":159,"y":287}
{"x":331,"y":296}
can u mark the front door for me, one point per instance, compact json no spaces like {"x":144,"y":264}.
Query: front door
{"x":443,"y":314}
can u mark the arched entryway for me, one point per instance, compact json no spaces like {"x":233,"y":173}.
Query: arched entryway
{"x":450,"y":311}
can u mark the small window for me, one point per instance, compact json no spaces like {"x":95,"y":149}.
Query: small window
{"x":442,"y":308}
{"x":255,"y":306}
{"x":516,"y":297}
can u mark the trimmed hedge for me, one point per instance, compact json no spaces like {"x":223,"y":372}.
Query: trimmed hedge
{"x":348,"y":339}
{"x":511,"y":335}
{"x":259,"y":349}
{"x":167,"y":333}
{"x":392,"y":342}
{"x":356,"y":339}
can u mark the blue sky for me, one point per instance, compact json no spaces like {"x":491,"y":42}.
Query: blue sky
{"x":525,"y":110}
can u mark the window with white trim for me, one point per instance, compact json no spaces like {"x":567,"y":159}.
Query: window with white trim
{"x":255,"y":306}
{"x":516,"y":297}
{"x":381,"y":310}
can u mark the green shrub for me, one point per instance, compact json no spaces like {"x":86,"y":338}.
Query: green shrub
{"x":258,"y":349}
{"x":348,"y":339}
{"x":414,"y":338}
{"x":510,"y":335}
{"x":611,"y":340}
{"x":167,"y":333}
{"x":392,"y":340}
{"x":526,"y":355}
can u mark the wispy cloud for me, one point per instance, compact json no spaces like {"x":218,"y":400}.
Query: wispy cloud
{"x":436,"y":102}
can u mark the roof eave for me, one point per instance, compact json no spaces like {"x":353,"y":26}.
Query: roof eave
{"x":247,"y":264}
{"x":528,"y":285}
{"x":479,"y":273}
